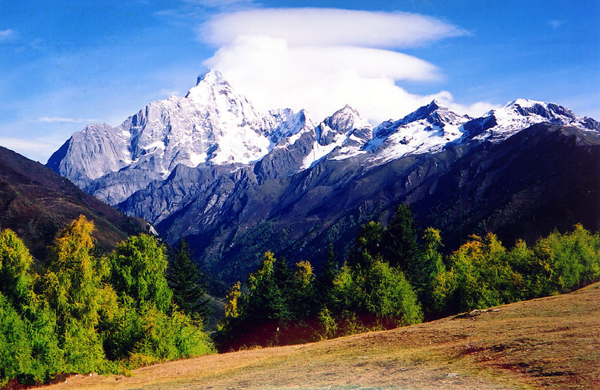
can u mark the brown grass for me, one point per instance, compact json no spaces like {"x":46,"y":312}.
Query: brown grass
{"x":545,"y":343}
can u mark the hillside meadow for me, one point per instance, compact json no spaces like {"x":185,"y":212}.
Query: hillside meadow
{"x":550,"y":343}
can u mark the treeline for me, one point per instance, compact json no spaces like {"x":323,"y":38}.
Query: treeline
{"x":397,"y":276}
{"x":89,"y":313}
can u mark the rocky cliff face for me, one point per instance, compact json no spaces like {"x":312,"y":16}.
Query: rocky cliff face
{"x":236,"y":182}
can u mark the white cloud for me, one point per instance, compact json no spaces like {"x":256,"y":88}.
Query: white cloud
{"x":36,"y":150}
{"x":328,"y":27}
{"x":321,"y":79}
{"x":52,"y":119}
{"x":556,"y":24}
{"x":7,"y":35}
{"x":323,"y":59}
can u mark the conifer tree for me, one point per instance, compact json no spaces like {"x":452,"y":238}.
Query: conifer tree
{"x":367,"y":247}
{"x":138,"y":268}
{"x":430,"y":265}
{"x":302,"y":298}
{"x":73,"y":287}
{"x":328,"y":275}
{"x":16,"y":279}
{"x":401,"y":248}
{"x":266,"y":301}
{"x":186,"y":281}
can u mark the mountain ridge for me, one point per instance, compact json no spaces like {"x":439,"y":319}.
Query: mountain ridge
{"x":36,"y":203}
{"x":295,"y":186}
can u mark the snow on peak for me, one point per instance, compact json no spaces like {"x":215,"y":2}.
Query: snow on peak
{"x":428,"y":129}
{"x":214,"y":125}
{"x":524,"y":103}
{"x":346,"y":119}
{"x":498,"y":125}
{"x":211,"y":77}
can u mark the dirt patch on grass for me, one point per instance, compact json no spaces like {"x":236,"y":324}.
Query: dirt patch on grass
{"x":544,"y":343}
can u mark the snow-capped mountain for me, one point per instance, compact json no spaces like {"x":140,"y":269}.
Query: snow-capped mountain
{"x":426,"y":130}
{"x":212,"y":124}
{"x":212,"y":168}
{"x":498,"y":125}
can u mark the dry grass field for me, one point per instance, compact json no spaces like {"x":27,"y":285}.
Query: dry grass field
{"x":550,"y":343}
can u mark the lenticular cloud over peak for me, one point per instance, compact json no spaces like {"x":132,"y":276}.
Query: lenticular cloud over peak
{"x":323,"y":59}
{"x":328,"y":27}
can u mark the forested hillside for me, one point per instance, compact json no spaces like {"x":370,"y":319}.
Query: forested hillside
{"x":89,"y":313}
{"x":36,"y":203}
{"x":397,"y":276}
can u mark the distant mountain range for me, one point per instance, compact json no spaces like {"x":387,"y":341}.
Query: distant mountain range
{"x":37,"y":203}
{"x":237,"y":182}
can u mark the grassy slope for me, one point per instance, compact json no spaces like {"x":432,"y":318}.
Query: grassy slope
{"x":545,"y":343}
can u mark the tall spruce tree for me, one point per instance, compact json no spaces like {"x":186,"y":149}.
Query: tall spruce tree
{"x":328,"y":274}
{"x":187,"y":283}
{"x":400,"y":246}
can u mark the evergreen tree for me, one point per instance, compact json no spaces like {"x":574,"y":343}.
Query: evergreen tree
{"x":328,"y":275}
{"x":266,"y":302}
{"x":367,"y":246}
{"x":186,"y":281}
{"x":400,"y":245}
{"x":283,"y":276}
{"x":431,"y":265}
{"x":74,"y":289}
{"x":302,"y":299}
{"x":138,"y":268}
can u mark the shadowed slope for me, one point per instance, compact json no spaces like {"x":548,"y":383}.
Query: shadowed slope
{"x":37,"y":203}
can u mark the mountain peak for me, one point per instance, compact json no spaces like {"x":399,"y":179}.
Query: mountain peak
{"x":211,"y":76}
{"x":210,"y":84}
{"x":521,"y":102}
{"x":532,"y":108}
{"x":434,"y":113}
{"x":346,"y":119}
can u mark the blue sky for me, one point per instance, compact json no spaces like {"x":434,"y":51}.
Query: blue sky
{"x":65,"y":64}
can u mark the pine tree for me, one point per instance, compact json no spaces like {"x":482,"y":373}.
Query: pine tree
{"x":328,"y":274}
{"x":302,"y":299}
{"x":367,"y":247}
{"x":186,"y":281}
{"x":266,"y":301}
{"x":401,"y":248}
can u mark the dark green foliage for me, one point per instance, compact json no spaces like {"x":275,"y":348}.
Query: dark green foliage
{"x":138,"y":268}
{"x":328,"y":275}
{"x":367,"y":247}
{"x":399,"y":245}
{"x":186,"y":281}
{"x":274,"y":306}
{"x":266,"y":299}
{"x":431,"y":264}
{"x":390,"y":279}
{"x":302,"y":299}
